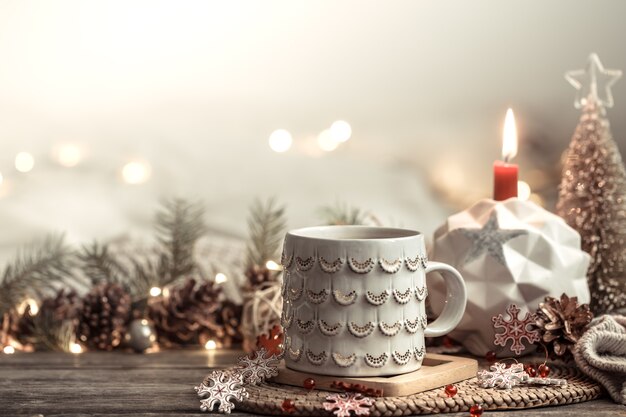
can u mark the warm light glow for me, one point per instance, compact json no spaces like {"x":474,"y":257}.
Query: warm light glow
{"x":220,"y":278}
{"x":1,"y":178}
{"x":31,"y":304}
{"x":273,"y":266}
{"x":340,"y":131}
{"x":509,"y":137}
{"x":69,"y":155}
{"x":280,"y":140}
{"x":523,"y":190}
{"x":9,"y":350}
{"x":136,"y":172}
{"x":326,"y":141}
{"x":24,"y":162}
{"x":76,"y":348}
{"x":210,"y":345}
{"x":155,"y":291}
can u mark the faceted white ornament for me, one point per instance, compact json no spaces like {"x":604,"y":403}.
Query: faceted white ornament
{"x":509,"y":252}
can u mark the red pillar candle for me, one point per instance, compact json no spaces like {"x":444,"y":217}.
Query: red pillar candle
{"x":504,"y":180}
{"x":504,"y":173}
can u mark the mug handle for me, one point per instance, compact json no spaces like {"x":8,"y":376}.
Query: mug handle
{"x":456,"y":298}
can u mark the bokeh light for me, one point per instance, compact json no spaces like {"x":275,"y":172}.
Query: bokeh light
{"x":24,"y":162}
{"x":341,"y":131}
{"x":280,"y":140}
{"x":210,"y":345}
{"x":9,"y":350}
{"x":75,"y":348}
{"x":220,"y":278}
{"x":272,"y":266}
{"x":326,"y":142}
{"x":136,"y":172}
{"x":69,"y":155}
{"x":155,"y":291}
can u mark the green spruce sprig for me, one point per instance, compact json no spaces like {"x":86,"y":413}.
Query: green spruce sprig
{"x":179,"y":225}
{"x":37,"y":268}
{"x":343,"y":214}
{"x":266,"y":228}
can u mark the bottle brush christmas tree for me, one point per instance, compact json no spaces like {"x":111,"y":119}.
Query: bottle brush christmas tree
{"x":592,"y":196}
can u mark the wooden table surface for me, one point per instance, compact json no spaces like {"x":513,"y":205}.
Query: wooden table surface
{"x":156,"y":384}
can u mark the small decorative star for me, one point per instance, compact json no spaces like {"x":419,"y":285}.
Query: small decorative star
{"x":490,"y":239}
{"x":587,"y":81}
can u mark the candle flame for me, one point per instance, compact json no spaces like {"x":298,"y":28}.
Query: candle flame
{"x":509,"y":137}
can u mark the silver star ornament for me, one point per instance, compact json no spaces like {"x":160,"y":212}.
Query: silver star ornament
{"x":489,"y":239}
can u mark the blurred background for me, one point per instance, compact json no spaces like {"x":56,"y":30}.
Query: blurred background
{"x":108,"y":107}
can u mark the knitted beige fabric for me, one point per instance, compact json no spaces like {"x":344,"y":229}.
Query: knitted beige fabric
{"x":601,"y":354}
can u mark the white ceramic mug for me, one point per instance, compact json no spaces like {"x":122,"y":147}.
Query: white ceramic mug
{"x":354,"y":300}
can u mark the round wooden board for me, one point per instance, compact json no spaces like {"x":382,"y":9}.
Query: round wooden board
{"x":267,"y":398}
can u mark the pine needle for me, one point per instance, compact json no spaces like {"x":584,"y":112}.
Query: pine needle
{"x":179,"y":225}
{"x":266,"y":228}
{"x":342,"y":214}
{"x":36,"y":269}
{"x":50,"y":334}
{"x":100,"y":265}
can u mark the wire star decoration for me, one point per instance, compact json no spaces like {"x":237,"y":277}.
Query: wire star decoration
{"x":587,"y":81}
{"x":490,"y":239}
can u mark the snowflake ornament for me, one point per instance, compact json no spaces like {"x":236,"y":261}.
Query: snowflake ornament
{"x":221,"y":387}
{"x":343,"y":403}
{"x":500,"y":376}
{"x":272,"y":342}
{"x":515,"y":329}
{"x":258,"y":368}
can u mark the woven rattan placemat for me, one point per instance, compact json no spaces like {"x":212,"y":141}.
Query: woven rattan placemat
{"x":267,"y":398}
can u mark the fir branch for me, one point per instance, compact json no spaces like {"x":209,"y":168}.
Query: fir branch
{"x":266,"y":227}
{"x":179,"y":225}
{"x":100,"y":265}
{"x":35,"y":269}
{"x":342,"y":214}
{"x":50,"y":334}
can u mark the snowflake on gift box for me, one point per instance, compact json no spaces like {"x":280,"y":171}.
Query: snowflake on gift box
{"x":221,"y":387}
{"x":500,"y":376}
{"x":258,"y":368}
{"x":342,"y":404}
{"x":515,"y":329}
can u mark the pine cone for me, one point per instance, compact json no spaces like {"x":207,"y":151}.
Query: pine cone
{"x":104,"y":316}
{"x":229,"y":319}
{"x":258,"y":275}
{"x":562,"y":322}
{"x":186,"y":313}
{"x":63,"y":306}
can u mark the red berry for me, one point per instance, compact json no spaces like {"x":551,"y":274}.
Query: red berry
{"x":544,"y":370}
{"x":288,"y":406}
{"x":309,"y":383}
{"x":530,"y":370}
{"x":491,"y":356}
{"x":476,"y":410}
{"x":450,"y":390}
{"x":448,"y":342}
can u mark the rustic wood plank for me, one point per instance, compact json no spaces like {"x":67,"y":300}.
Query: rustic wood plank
{"x":159,"y":384}
{"x":113,"y":360}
